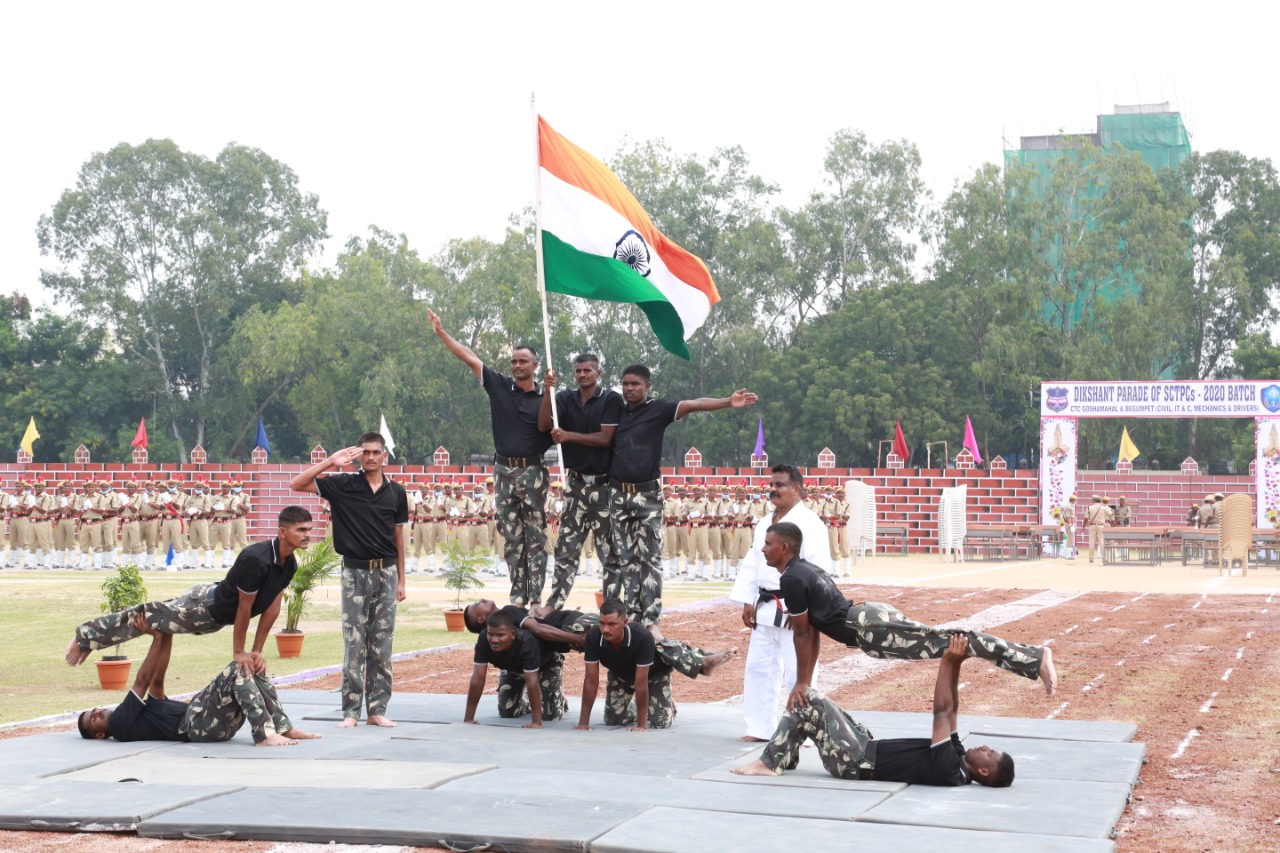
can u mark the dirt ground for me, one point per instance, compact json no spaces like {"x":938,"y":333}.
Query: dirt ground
{"x":1198,"y":673}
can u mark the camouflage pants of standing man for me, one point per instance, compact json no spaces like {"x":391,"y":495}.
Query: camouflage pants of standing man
{"x":636,"y":518}
{"x":186,"y":614}
{"x":672,"y":655}
{"x":841,"y":740}
{"x":586,"y":511}
{"x":513,"y":703}
{"x":368,"y":626}
{"x":881,"y":631}
{"x":520,"y":509}
{"x":218,"y":711}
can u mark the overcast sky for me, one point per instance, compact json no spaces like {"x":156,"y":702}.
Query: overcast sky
{"x":415,"y":117}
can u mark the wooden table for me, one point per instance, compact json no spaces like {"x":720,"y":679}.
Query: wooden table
{"x":995,"y":539}
{"x":1119,"y":542}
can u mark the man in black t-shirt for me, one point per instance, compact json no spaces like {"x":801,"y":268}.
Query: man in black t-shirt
{"x":369,"y":513}
{"x":518,"y":469}
{"x":252,"y":587}
{"x":849,"y":751}
{"x":816,"y":606}
{"x":638,"y":666}
{"x":587,"y":418}
{"x":214,"y":715}
{"x":635,"y":503}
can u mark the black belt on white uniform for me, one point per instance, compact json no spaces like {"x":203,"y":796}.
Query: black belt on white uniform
{"x":380,"y":563}
{"x":646,"y":486}
{"x":518,"y":461}
{"x":767,"y":595}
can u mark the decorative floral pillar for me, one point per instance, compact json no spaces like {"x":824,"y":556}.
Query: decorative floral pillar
{"x":1266,"y":467}
{"x":1058,"y":458}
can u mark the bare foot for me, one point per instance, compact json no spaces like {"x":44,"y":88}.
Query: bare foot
{"x":277,"y":740}
{"x":709,"y":665}
{"x":299,"y":734}
{"x":1048,"y":675}
{"x":755,"y":768}
{"x":348,"y":723}
{"x":76,"y":655}
{"x":752,"y":739}
{"x":379,"y":720}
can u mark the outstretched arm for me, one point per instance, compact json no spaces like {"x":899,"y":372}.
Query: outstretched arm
{"x":462,"y":352}
{"x":736,"y":400}
{"x":946,"y":690}
{"x":156,"y":663}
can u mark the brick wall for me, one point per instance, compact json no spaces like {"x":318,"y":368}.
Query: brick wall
{"x":905,"y":496}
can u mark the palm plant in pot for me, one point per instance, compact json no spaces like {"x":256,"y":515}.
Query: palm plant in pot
{"x":120,"y":591}
{"x":315,"y":565}
{"x":461,"y":573}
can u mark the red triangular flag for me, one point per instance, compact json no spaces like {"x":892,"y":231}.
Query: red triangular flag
{"x":900,"y":443}
{"x":140,"y":439}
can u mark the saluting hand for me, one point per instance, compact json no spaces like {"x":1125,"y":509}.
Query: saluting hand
{"x":345,"y":457}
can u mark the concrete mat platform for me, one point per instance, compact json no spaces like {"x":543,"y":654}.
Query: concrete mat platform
{"x":64,"y":805}
{"x":1028,"y":727}
{"x":562,"y":734}
{"x":1037,"y":758}
{"x":668,"y":830}
{"x":622,"y":789}
{"x":299,"y":771}
{"x":59,"y":752}
{"x":416,"y":818}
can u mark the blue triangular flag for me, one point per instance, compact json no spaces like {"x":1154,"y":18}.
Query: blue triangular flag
{"x":262,"y":438}
{"x":168,"y":558}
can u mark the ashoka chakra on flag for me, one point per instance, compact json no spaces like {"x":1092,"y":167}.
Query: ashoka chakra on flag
{"x":633,"y":251}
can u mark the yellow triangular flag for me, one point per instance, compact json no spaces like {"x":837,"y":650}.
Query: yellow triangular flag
{"x":1128,"y":450}
{"x":29,"y":438}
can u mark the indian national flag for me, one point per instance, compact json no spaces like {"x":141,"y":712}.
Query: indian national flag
{"x":598,"y":243}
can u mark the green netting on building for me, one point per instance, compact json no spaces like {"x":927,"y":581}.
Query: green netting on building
{"x":1161,"y":138}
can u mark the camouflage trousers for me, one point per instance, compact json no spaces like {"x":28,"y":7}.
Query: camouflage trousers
{"x":368,"y":626}
{"x":218,"y":711}
{"x":672,"y":655}
{"x":636,"y":518}
{"x":186,"y":614}
{"x":586,"y":512}
{"x":881,"y":631}
{"x":841,"y":740}
{"x":520,"y":509}
{"x":513,"y":703}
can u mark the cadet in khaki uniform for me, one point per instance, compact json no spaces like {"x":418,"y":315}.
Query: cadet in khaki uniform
{"x":64,"y":527}
{"x":93,"y":508}
{"x":111,"y":527}
{"x":131,"y":523}
{"x":173,"y":519}
{"x":741,"y":523}
{"x":200,"y":520}
{"x":492,"y":504}
{"x":456,"y":509}
{"x":241,"y":506}
{"x":430,"y":531}
{"x":43,"y":513}
{"x":149,"y":509}
{"x":20,"y":523}
{"x":1096,"y":518}
{"x":671,"y":537}
{"x":481,"y":514}
{"x":717,"y":525}
{"x":220,"y":525}
{"x":416,"y":494}
{"x":697,"y":512}
{"x":840,"y":515}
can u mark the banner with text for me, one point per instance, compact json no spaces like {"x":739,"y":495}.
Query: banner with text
{"x":1191,"y":398}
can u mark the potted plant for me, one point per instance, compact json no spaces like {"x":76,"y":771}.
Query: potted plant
{"x":120,"y":591}
{"x":315,"y":565}
{"x":461,"y":573}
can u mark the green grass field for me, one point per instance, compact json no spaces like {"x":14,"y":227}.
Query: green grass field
{"x":40,"y":609}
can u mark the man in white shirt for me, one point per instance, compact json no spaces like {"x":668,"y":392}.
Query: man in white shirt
{"x":771,"y":655}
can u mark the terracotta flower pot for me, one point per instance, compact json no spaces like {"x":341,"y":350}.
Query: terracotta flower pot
{"x":453,"y":620}
{"x":113,"y":673}
{"x":599,"y":599}
{"x":289,"y":643}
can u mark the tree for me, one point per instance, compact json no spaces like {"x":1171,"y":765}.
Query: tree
{"x":168,"y":248}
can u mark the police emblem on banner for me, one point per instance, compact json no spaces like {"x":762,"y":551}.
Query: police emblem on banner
{"x":1056,"y":399}
{"x":1271,"y":398}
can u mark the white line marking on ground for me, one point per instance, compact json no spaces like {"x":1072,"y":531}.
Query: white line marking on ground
{"x":1186,"y":741}
{"x":1047,"y":642}
{"x":1249,"y":636}
{"x":1096,"y":619}
{"x":1264,"y":610}
{"x":1094,"y":683}
{"x":1069,"y":630}
{"x":1170,"y":625}
{"x":1269,"y":597}
{"x":1119,"y":607}
{"x":962,"y":685}
{"x":1136,"y":597}
{"x":1058,"y":710}
{"x":1121,"y":661}
{"x":1148,"y":639}
{"x":1196,"y":606}
{"x":1227,"y":674}
{"x":428,"y":675}
{"x":1208,"y":703}
{"x":1239,"y":653}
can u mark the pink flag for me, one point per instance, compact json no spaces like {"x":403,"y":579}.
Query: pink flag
{"x":971,"y":443}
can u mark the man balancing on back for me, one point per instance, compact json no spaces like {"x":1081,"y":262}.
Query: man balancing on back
{"x":849,"y":751}
{"x":214,"y":715}
{"x":816,"y":606}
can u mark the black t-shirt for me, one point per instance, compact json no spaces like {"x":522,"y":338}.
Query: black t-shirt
{"x":513,"y":415}
{"x":808,"y":589}
{"x":525,"y":654}
{"x":603,"y":409}
{"x":917,"y":761}
{"x":637,"y":649}
{"x":364,"y":521}
{"x":637,"y":444}
{"x":155,"y":719}
{"x":255,"y":570}
{"x":566,"y":620}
